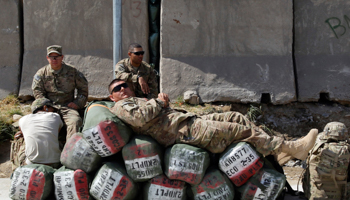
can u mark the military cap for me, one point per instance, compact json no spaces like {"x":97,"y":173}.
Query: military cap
{"x":38,"y":103}
{"x":54,"y":49}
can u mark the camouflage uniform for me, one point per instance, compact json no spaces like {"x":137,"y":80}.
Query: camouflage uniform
{"x":129,"y":74}
{"x":213,"y":132}
{"x":59,"y":86}
{"x":326,"y":173}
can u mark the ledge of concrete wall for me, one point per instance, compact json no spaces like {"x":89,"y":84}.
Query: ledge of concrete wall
{"x":322,"y":49}
{"x":84,"y":28}
{"x":10,"y":65}
{"x":228,"y":50}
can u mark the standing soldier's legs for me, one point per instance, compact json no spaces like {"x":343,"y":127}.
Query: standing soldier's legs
{"x":72,"y":120}
{"x":17,"y":155}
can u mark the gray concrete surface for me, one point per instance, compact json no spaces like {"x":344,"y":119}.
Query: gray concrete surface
{"x":84,"y":28}
{"x":322,"y":48}
{"x":9,"y":47}
{"x":228,"y":51}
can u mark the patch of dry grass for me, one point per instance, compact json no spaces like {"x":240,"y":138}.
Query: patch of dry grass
{"x":8,"y":107}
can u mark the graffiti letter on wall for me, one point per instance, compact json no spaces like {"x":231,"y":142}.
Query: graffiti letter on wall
{"x":336,"y":26}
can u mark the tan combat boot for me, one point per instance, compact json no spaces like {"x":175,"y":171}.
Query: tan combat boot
{"x":300,"y":148}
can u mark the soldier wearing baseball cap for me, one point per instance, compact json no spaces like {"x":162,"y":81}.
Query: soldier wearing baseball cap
{"x":41,"y":104}
{"x":59,"y":82}
{"x":54,"y":49}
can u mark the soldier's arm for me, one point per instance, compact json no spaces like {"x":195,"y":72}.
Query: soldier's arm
{"x":122,"y":73}
{"x":82,"y":90}
{"x":137,"y":115}
{"x":38,"y":86}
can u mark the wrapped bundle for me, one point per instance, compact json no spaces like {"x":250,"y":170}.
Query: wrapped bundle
{"x":103,"y":130}
{"x":240,"y":162}
{"x":111,"y":182}
{"x":31,"y":182}
{"x":162,"y":188}
{"x":214,"y":185}
{"x":186,"y":163}
{"x":143,"y":158}
{"x":71,"y":184}
{"x":78,"y":154}
{"x":266,"y":184}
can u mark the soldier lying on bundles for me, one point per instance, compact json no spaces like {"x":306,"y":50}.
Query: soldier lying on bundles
{"x":213,"y":132}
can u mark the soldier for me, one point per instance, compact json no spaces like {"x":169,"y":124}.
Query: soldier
{"x":213,"y":132}
{"x":327,"y":168}
{"x":40,"y":131}
{"x":58,"y":81}
{"x":139,"y":75}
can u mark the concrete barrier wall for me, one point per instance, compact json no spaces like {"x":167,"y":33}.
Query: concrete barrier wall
{"x":9,"y":47}
{"x":228,"y":50}
{"x":84,"y":28}
{"x":322,"y":46}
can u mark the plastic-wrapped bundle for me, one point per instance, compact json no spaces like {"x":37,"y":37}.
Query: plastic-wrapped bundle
{"x":32,"y":182}
{"x":162,"y":188}
{"x":78,"y":154}
{"x":186,"y":163}
{"x":111,"y":182}
{"x":70,"y":184}
{"x":143,"y":158}
{"x":103,"y":130}
{"x":239,"y":162}
{"x":266,"y":184}
{"x":214,"y":185}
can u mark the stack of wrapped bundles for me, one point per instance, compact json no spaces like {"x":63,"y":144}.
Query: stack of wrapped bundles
{"x":107,"y":161}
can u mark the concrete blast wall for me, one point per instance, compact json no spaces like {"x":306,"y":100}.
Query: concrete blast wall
{"x":239,"y":51}
{"x":84,"y":28}
{"x":322,"y":46}
{"x":228,"y":50}
{"x":10,"y":66}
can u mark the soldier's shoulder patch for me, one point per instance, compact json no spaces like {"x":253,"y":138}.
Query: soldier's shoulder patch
{"x":37,"y":77}
{"x":121,"y":68}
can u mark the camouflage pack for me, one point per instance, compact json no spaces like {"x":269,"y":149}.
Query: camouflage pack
{"x":327,"y":170}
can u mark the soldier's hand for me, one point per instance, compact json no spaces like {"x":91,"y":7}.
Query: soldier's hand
{"x":18,"y":135}
{"x":73,"y":105}
{"x":144,"y":85}
{"x":165,"y":98}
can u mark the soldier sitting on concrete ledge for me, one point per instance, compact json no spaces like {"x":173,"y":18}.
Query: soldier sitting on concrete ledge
{"x":139,"y":75}
{"x":213,"y":132}
{"x":58,"y":81}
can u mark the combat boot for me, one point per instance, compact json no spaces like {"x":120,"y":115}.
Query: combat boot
{"x":300,"y":148}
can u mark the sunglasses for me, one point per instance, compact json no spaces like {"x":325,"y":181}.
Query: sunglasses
{"x":54,"y":57}
{"x":138,"y":53}
{"x":119,"y":87}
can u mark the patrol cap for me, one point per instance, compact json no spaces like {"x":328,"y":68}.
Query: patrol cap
{"x":54,"y":49}
{"x":336,"y":131}
{"x":38,"y":103}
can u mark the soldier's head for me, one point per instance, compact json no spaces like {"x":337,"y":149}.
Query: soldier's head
{"x":335,"y":131}
{"x":54,"y":56}
{"x":42,"y":104}
{"x":119,"y":90}
{"x":135,"y":53}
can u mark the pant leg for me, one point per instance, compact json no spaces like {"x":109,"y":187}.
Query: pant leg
{"x":72,"y":120}
{"x":235,"y":117}
{"x":17,"y":155}
{"x":215,"y":136}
